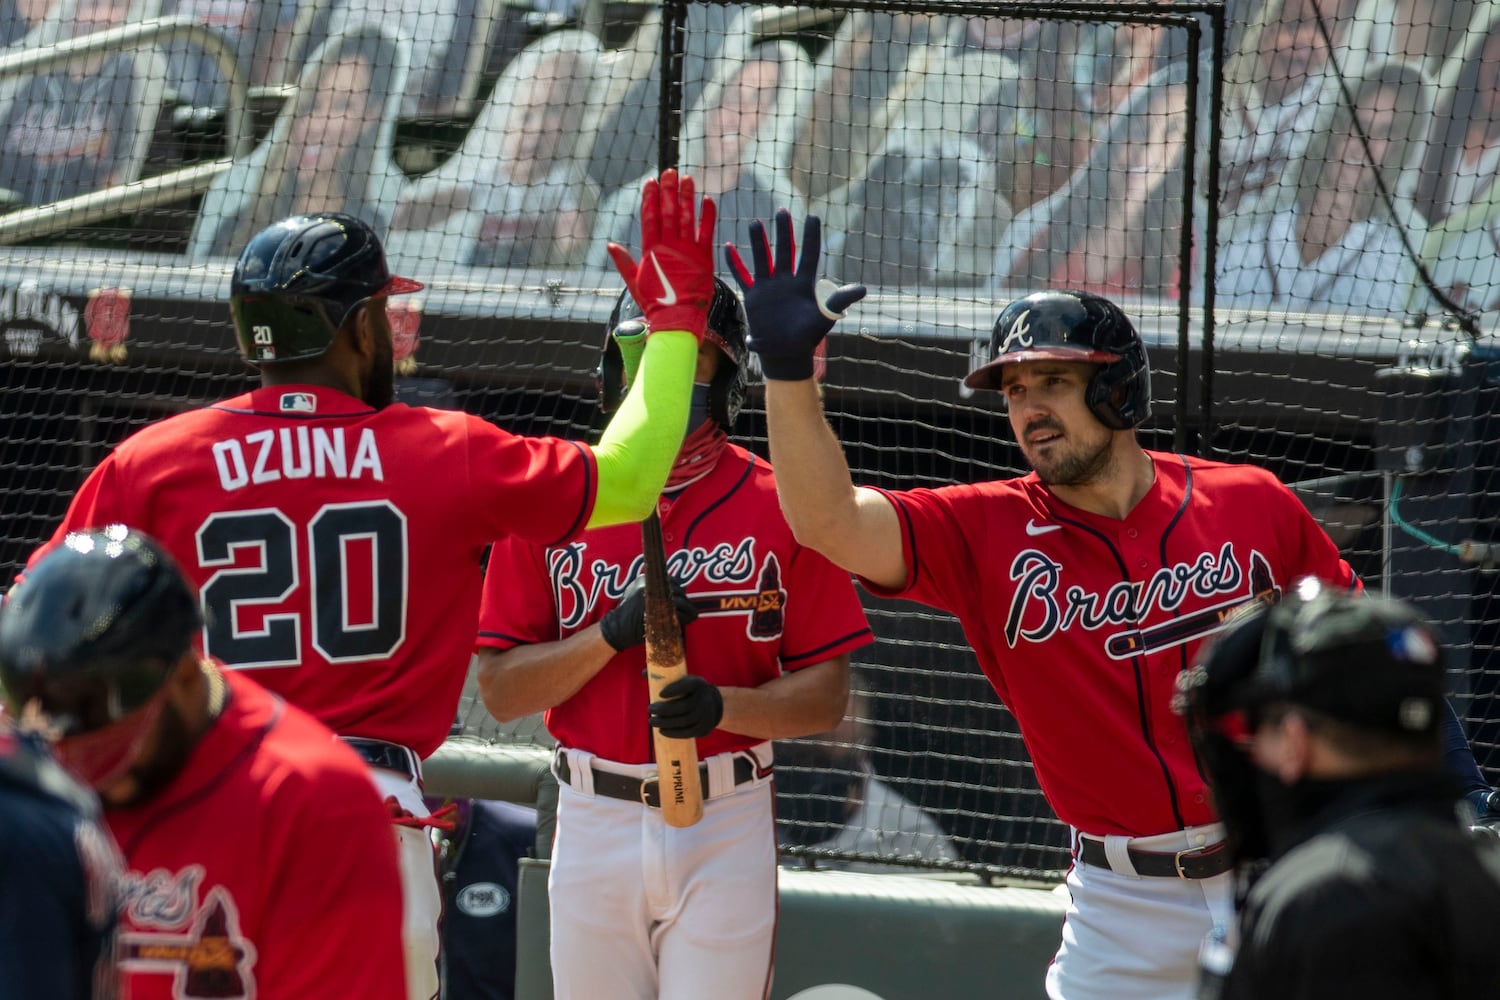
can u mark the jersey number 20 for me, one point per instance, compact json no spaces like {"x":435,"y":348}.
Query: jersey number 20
{"x":339,"y":534}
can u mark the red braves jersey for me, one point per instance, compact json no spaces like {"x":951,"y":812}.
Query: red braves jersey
{"x":1083,"y":622}
{"x":766,"y":604}
{"x":337,"y":548}
{"x":265,"y":869}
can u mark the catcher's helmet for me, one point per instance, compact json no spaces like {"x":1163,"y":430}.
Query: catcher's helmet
{"x":1366,"y":660}
{"x":726,"y":328}
{"x":91,"y":635}
{"x":1075,"y":326}
{"x":299,"y":279}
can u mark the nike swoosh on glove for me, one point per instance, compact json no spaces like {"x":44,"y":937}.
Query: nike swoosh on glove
{"x":673,"y":282}
{"x":789,"y":309}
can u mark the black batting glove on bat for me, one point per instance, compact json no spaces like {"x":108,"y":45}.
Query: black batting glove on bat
{"x":789,"y":309}
{"x":624,"y":625}
{"x":690,"y":707}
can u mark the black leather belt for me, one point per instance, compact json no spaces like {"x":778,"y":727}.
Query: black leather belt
{"x":1199,"y":862}
{"x":387,"y":756}
{"x":646,"y":790}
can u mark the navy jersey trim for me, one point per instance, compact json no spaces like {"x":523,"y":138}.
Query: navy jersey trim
{"x":1182,"y":663}
{"x":590,"y":491}
{"x":503,"y":637}
{"x":911,"y":539}
{"x":687,"y":536}
{"x":1137,"y":671}
{"x":283,"y":415}
{"x":821,"y":650}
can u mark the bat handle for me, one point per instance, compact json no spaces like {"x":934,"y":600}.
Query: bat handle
{"x":677,"y":778}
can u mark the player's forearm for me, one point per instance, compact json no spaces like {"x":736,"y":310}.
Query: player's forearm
{"x":855,"y":528}
{"x":518,"y":682}
{"x":637,"y":450}
{"x":806,"y":701}
{"x":812,"y":476}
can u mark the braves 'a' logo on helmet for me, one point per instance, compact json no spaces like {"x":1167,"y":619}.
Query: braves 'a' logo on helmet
{"x":1019,"y":334}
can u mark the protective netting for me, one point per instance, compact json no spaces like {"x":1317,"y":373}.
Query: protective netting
{"x":1315,"y":292}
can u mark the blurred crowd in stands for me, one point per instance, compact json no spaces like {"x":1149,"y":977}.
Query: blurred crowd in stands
{"x":969,"y":156}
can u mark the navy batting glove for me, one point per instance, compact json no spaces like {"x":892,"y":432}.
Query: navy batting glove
{"x":789,"y":309}
{"x":624,"y":625}
{"x":690,"y":707}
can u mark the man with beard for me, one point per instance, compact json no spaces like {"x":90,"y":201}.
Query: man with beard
{"x":258,"y":858}
{"x":1318,"y":722}
{"x":335,"y":537}
{"x":1084,"y":589}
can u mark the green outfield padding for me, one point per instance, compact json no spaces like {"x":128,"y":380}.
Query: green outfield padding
{"x":901,"y":937}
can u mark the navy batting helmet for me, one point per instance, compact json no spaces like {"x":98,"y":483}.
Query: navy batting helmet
{"x":90,"y":635}
{"x":1075,"y":326}
{"x":726,"y":328}
{"x":299,"y":279}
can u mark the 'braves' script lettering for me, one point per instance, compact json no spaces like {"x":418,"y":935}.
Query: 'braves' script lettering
{"x":1041,"y":607}
{"x":160,"y":898}
{"x":579,"y":583}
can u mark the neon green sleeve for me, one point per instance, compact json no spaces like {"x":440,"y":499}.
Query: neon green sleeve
{"x":642,"y":440}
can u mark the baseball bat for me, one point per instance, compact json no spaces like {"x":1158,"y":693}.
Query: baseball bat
{"x":676,"y":760}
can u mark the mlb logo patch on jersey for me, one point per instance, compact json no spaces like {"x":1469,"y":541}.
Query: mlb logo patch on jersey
{"x":298,"y":402}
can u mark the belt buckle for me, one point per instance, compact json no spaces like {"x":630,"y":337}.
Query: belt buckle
{"x":648,"y":786}
{"x":1195,"y":852}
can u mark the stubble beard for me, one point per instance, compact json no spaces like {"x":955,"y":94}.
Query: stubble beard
{"x":1076,"y":467}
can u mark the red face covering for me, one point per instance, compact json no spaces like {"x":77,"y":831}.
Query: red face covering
{"x":699,"y":453}
{"x":102,"y":756}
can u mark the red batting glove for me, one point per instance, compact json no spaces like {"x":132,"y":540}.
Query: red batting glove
{"x":674,"y":281}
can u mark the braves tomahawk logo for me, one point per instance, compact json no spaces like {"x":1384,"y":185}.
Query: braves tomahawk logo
{"x":201,"y":947}
{"x":1041,"y":606}
{"x":580,"y":583}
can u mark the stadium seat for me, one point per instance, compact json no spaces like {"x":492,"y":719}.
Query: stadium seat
{"x":471,"y":210}
{"x":275,"y":180}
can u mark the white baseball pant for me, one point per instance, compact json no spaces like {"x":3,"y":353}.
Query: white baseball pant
{"x":643,"y":910}
{"x":1132,"y":937}
{"x":421,"y":897}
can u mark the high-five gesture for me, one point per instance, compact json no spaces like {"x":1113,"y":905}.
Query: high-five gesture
{"x":674,"y":281}
{"x":789,"y":309}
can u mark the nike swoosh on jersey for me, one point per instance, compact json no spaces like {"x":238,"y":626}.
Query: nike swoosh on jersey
{"x":669,"y":297}
{"x":1033,"y":529}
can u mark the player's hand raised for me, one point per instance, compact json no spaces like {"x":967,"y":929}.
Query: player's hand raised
{"x":673,"y":282}
{"x":789,"y":309}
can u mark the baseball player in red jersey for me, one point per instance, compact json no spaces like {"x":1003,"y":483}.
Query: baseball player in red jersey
{"x":641,"y":909}
{"x":335,"y":536}
{"x":259,"y":860}
{"x":1084,"y":588}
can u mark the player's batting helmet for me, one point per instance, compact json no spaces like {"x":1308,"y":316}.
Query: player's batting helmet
{"x":90,"y":635}
{"x":1075,"y":326}
{"x":299,"y":279}
{"x":726,"y":328}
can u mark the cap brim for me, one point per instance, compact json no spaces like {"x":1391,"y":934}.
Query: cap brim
{"x":401,"y":286}
{"x":987,"y":376}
